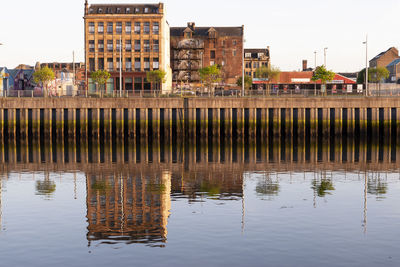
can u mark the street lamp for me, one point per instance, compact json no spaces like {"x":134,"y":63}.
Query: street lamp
{"x":315,"y":64}
{"x":366,"y":64}
{"x":243,"y":62}
{"x":325,"y":49}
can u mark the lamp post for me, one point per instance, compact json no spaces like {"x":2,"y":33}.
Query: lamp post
{"x":120,"y":66}
{"x":315,"y":64}
{"x":243,"y":92}
{"x":325,"y":49}
{"x":366,"y":65}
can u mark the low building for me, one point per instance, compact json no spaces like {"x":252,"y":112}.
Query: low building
{"x":394,"y":69}
{"x":302,"y":80}
{"x":384,"y":58}
{"x":254,"y":59}
{"x":21,"y":79}
{"x":193,"y":48}
{"x":64,"y":67}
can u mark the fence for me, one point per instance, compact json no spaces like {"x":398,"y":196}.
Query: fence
{"x":217,"y":94}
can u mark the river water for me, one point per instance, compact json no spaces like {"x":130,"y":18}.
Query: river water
{"x":200,"y":203}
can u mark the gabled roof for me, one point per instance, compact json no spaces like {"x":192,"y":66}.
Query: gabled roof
{"x":383,"y":53}
{"x":304,"y":77}
{"x":203,"y":31}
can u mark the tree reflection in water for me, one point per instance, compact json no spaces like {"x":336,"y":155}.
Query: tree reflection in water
{"x":266,"y":186}
{"x":377,"y":186}
{"x":45,"y":188}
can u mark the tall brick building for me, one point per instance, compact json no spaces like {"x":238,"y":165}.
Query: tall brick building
{"x":143,"y":33}
{"x":195,"y":47}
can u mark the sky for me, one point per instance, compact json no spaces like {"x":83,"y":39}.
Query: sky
{"x":49,"y":30}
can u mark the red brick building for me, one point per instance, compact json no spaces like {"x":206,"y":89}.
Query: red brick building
{"x":194,"y":47}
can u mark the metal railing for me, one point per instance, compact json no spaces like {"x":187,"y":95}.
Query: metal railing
{"x":193,"y":94}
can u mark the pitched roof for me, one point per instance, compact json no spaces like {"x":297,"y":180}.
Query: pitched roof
{"x":203,"y":31}
{"x":382,"y":53}
{"x":304,"y":77}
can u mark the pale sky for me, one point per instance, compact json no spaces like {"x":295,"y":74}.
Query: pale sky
{"x":49,"y":30}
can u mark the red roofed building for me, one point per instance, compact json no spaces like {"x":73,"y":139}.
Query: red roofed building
{"x":302,"y":80}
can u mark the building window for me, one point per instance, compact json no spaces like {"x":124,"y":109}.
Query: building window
{"x":146,"y":28}
{"x":146,"y":10}
{"x":91,"y":45}
{"x":128,"y":64}
{"x":118,"y":46}
{"x":137,"y":28}
{"x":138,"y":66}
{"x":260,"y":55}
{"x":223,"y":63}
{"x":156,"y":27}
{"x":248,"y":65}
{"x":128,"y":27}
{"x":156,"y":64}
{"x":110,"y":66}
{"x":118,"y":27}
{"x":118,"y":10}
{"x":146,"y":45}
{"x":137,"y":45}
{"x":146,"y":63}
{"x":91,"y":64}
{"x":234,"y":42}
{"x":223,"y":43}
{"x":118,"y":63}
{"x":100,"y":27}
{"x":109,"y":45}
{"x":109,"y":27}
{"x":212,"y":63}
{"x":234,"y":53}
{"x":101,"y":63}
{"x":212,"y":54}
{"x":156,"y":46}
{"x":223,"y":53}
{"x":188,"y":35}
{"x":128,"y":46}
{"x":247,"y":55}
{"x":128,"y":10}
{"x":100,"y":45}
{"x":137,"y":10}
{"x":91,"y":27}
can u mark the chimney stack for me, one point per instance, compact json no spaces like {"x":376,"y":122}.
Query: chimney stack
{"x":192,"y":25}
{"x":304,"y":65}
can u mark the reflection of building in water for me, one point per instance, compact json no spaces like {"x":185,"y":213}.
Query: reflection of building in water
{"x":128,"y":208}
{"x":214,"y":183}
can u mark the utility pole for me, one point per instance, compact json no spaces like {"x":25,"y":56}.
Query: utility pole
{"x":325,"y":49}
{"x":315,"y":64}
{"x":243,"y":93}
{"x":366,"y":65}
{"x":120,"y":66}
{"x":73,"y":66}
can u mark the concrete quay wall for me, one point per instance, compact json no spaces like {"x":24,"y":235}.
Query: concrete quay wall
{"x":198,"y":116}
